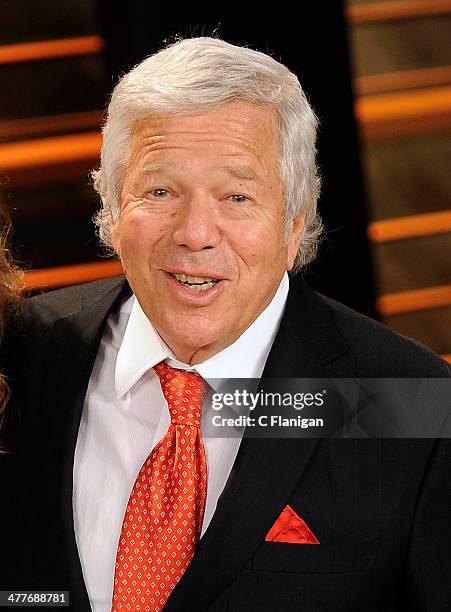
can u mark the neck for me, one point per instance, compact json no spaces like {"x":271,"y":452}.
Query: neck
{"x":193,"y":355}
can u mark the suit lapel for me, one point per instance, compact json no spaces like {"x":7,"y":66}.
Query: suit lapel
{"x":266,"y":471}
{"x":74,"y":342}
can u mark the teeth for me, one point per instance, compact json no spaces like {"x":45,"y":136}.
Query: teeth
{"x":198,"y":279}
{"x":195,"y":280}
{"x":202,"y":287}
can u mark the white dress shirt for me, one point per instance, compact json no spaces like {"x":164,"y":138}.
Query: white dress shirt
{"x":124,"y":417}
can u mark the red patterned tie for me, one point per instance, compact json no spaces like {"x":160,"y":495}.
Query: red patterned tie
{"x":164,"y":515}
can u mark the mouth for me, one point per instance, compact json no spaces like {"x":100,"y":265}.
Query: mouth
{"x":195,"y":283}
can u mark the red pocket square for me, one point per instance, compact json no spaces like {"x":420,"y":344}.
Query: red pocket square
{"x":290,"y":528}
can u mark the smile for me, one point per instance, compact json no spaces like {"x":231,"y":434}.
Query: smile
{"x":196,"y":283}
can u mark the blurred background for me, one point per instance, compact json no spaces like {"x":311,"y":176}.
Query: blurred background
{"x":378,"y":73}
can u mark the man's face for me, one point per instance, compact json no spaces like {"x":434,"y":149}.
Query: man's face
{"x":201,"y":229}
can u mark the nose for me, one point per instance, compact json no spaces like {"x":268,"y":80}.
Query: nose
{"x":196,"y":224}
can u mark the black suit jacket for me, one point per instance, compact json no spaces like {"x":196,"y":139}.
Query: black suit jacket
{"x":381,"y":509}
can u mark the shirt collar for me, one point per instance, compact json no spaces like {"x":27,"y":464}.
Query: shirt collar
{"x":142,"y":348}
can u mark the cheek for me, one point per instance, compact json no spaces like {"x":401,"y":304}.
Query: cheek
{"x":139,"y":235}
{"x":258,"y":247}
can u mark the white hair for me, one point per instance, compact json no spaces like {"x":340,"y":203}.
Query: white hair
{"x":196,"y":75}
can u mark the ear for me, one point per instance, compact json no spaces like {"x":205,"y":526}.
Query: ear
{"x":114,"y":233}
{"x":297,"y":231}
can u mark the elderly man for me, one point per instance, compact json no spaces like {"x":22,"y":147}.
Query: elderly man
{"x":209,"y":187}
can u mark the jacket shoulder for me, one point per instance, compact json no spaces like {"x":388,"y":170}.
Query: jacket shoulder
{"x":53,"y":305}
{"x":391,"y":353}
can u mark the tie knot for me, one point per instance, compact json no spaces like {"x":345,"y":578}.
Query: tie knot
{"x":184,"y":392}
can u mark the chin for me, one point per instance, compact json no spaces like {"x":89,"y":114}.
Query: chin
{"x":197,"y":340}
{"x":190,"y":334}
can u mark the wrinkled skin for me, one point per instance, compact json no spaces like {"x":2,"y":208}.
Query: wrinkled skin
{"x":202,"y":196}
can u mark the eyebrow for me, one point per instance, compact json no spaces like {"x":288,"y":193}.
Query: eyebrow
{"x":242,"y":172}
{"x":156,"y":166}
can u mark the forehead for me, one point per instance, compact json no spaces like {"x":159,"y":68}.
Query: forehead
{"x":238,"y":126}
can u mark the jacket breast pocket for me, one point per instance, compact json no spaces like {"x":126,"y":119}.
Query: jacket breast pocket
{"x":349,"y":556}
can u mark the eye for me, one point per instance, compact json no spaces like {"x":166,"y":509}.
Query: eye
{"x":239,"y":198}
{"x":159,"y":192}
